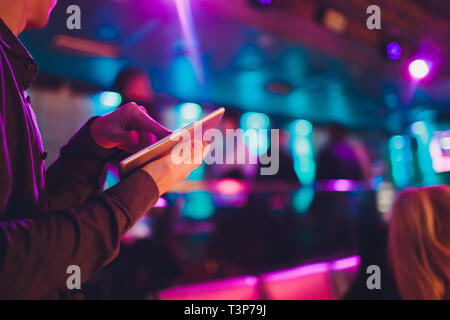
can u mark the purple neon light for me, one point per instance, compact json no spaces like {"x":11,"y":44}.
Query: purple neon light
{"x":339,"y":185}
{"x":297,"y":272}
{"x":346,"y":263}
{"x":340,"y":264}
{"x":230,"y":186}
{"x":243,"y":288}
{"x":394,"y":50}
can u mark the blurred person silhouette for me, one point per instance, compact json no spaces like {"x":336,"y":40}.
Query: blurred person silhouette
{"x":419,"y":242}
{"x":373,"y":250}
{"x":346,"y":214}
{"x":349,"y":156}
{"x":134,"y":84}
{"x":343,"y":173}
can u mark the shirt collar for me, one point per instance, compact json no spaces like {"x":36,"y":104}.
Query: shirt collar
{"x":22,"y":63}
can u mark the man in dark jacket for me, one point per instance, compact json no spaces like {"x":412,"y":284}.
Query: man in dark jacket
{"x":52,"y":220}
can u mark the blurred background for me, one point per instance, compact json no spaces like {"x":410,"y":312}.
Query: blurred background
{"x":362,"y":114}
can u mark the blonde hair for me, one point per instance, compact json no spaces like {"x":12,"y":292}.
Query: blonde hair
{"x":419,"y":242}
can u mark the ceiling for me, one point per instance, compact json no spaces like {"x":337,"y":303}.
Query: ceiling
{"x":278,"y":60}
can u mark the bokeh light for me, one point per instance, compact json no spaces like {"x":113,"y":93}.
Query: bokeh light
{"x":394,"y":50}
{"x":302,"y":199}
{"x":254,"y":120}
{"x":110,"y":99}
{"x":105,"y":102}
{"x":190,"y":111}
{"x":302,"y":151}
{"x":257,"y":144}
{"x":302,"y":127}
{"x":419,"y":128}
{"x":418,"y":69}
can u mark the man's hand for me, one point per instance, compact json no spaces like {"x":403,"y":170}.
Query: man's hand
{"x":129,"y":128}
{"x":166,"y":173}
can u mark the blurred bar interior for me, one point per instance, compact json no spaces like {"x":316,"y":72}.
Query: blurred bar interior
{"x":362,"y":114}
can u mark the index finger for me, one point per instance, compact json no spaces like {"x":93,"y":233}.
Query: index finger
{"x":140,"y":120}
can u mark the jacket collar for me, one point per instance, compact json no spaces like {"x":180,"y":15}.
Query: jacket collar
{"x":22,"y":63}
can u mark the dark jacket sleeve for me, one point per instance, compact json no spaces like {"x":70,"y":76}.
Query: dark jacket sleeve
{"x":83,"y":227}
{"x":35,"y":253}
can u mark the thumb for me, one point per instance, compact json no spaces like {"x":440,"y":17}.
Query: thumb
{"x":139,"y":119}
